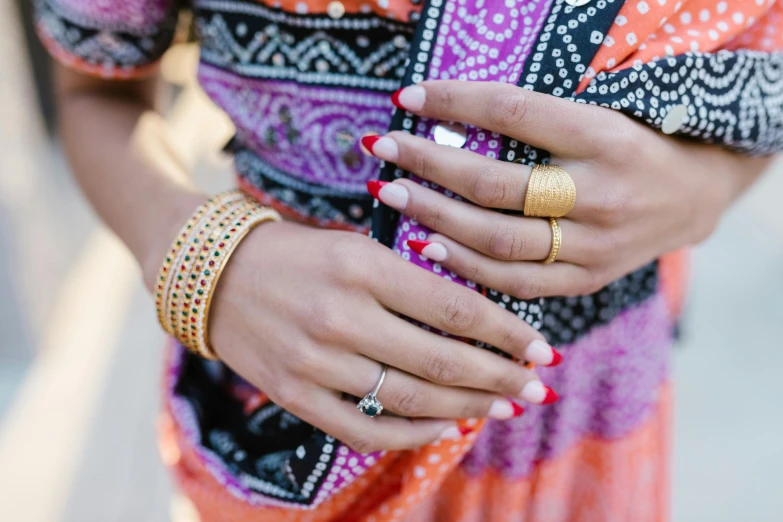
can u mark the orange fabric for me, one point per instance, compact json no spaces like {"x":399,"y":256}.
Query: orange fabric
{"x":673,"y":276}
{"x":607,"y":480}
{"x":647,"y":30}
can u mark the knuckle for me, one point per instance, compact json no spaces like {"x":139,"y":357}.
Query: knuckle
{"x":461,"y":313}
{"x":350,"y":257}
{"x":443,"y":367}
{"x":434,"y":216}
{"x":304,"y":359}
{"x":514,"y":337}
{"x":506,"y":243}
{"x":408,"y":401}
{"x":614,"y":206}
{"x":594,"y":280}
{"x":324,"y":323}
{"x":363,"y":443}
{"x":445,"y":97}
{"x":508,"y":383}
{"x":491,"y":188}
{"x":288,"y":397}
{"x":421,"y":163}
{"x":527,"y":288}
{"x":507,"y":109}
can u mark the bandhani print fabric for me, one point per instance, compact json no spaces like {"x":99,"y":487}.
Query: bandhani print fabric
{"x":303,"y":81}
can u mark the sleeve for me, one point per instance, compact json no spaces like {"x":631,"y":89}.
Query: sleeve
{"x":113,"y":39}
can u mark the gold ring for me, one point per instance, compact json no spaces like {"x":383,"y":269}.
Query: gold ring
{"x":550,"y":192}
{"x":557,"y":241}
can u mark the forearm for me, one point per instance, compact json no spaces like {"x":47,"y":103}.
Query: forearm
{"x":144,"y":205}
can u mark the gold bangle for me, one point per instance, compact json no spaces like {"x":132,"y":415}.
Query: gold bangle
{"x":175,"y":254}
{"x":209,"y":277}
{"x":189,"y":273}
{"x":199,"y":248}
{"x":551,"y":192}
{"x":557,"y":241}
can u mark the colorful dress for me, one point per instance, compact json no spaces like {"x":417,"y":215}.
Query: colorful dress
{"x":303,"y":80}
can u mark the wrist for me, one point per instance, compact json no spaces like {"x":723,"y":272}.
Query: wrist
{"x":173,"y":211}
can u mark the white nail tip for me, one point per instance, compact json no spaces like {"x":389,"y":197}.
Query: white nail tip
{"x":450,"y":433}
{"x":501,"y":410}
{"x":534,"y":392}
{"x":396,"y":196}
{"x":435,"y":251}
{"x":539,"y":352}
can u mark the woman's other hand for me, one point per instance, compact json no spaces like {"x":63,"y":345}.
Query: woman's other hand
{"x":307,"y":315}
{"x":640,"y":194}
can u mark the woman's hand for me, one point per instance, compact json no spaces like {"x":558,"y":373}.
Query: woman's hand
{"x":640,"y":194}
{"x":307,"y":315}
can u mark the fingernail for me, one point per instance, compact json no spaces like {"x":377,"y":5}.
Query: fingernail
{"x":536,"y":392}
{"x":451,"y":433}
{"x":518,"y":410}
{"x":391,"y":194}
{"x":374,"y":186}
{"x":541,"y":353}
{"x":410,"y":98}
{"x":501,"y":410}
{"x":435,"y":251}
{"x":381,"y":147}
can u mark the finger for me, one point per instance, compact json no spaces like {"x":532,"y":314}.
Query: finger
{"x":524,"y":280}
{"x":450,"y":362}
{"x":454,"y":309}
{"x":560,"y":126}
{"x":410,"y":396}
{"x":340,"y":419}
{"x":484,"y":181}
{"x":501,"y":236}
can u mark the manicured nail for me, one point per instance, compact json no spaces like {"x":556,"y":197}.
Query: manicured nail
{"x":518,"y":410}
{"x":374,"y":186}
{"x":410,"y":98}
{"x":381,"y":147}
{"x":391,"y":194}
{"x":435,"y":251}
{"x":541,"y":353}
{"x":537,"y":393}
{"x":501,"y":409}
{"x":368,"y":142}
{"x":451,"y":433}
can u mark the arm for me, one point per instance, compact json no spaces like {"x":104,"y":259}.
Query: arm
{"x":307,"y":314}
{"x":142,"y":204}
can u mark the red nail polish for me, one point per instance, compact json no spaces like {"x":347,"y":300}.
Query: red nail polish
{"x":464,"y":430}
{"x":374,"y":186}
{"x":518,"y":410}
{"x":395,"y":98}
{"x":417,"y":245}
{"x":556,"y":358}
{"x":369,"y":141}
{"x":551,"y":396}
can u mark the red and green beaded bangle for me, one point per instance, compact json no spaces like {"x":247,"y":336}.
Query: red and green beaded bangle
{"x":199,"y":248}
{"x":175,"y":253}
{"x":218,"y":257}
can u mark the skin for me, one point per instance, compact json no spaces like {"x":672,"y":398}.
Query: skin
{"x":306,"y":314}
{"x":640,"y":194}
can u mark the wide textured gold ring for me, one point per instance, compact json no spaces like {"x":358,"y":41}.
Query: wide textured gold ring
{"x":550,"y":192}
{"x":557,"y":241}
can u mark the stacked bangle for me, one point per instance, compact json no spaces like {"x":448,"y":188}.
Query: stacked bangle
{"x":190,"y":272}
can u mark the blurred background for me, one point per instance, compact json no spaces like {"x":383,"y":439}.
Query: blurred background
{"x":80,"y":349}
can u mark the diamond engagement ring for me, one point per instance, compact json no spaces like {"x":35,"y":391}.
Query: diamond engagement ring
{"x":370,"y":405}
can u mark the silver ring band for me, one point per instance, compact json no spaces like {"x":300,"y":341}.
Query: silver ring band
{"x":370,"y":405}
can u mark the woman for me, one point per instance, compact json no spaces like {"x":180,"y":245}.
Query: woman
{"x":306,"y":320}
